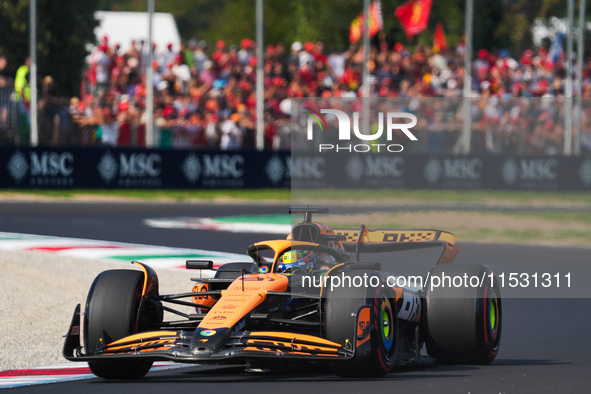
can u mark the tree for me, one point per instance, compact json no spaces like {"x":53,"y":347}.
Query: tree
{"x":64,"y":29}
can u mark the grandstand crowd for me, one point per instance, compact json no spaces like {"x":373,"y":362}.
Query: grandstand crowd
{"x":205,"y":97}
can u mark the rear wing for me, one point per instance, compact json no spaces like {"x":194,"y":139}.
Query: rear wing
{"x":364,"y":240}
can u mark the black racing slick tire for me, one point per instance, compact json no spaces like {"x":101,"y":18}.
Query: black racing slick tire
{"x":463,"y":324}
{"x":373,"y":357}
{"x":112,"y":309}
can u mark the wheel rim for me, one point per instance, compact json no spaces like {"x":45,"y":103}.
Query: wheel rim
{"x":493,"y":317}
{"x":386,"y":322}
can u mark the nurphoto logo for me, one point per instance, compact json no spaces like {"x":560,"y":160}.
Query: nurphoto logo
{"x":394,"y":121}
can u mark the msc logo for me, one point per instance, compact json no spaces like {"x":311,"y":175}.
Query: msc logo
{"x":392,"y":123}
{"x":52,"y":164}
{"x":140,"y":165}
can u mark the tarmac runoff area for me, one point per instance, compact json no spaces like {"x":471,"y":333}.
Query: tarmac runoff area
{"x":38,"y":294}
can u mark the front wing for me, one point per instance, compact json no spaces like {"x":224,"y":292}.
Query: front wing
{"x":210,"y":346}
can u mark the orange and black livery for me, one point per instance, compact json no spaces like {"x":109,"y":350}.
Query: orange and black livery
{"x":283,"y":305}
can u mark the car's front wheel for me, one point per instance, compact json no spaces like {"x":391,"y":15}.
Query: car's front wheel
{"x":112,"y":308}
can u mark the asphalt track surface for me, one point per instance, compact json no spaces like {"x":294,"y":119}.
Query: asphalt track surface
{"x":546,"y":343}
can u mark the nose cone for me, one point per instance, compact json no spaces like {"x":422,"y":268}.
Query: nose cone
{"x":205,"y":341}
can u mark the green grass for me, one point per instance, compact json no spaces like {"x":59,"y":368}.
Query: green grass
{"x":584,"y":217}
{"x":175,"y":195}
{"x":269,"y":219}
{"x":325,"y":196}
{"x":577,"y":219}
{"x":555,"y":216}
{"x":449,"y":196}
{"x":558,"y":228}
{"x":583,"y":236}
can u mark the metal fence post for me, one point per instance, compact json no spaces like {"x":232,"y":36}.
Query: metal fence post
{"x":260,"y":92}
{"x":464,"y":143}
{"x":34,"y":137}
{"x":568,"y":94}
{"x":580,"y":59}
{"x":366,"y":92}
{"x":149,"y":81}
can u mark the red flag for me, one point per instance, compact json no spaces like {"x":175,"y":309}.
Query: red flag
{"x":356,"y":30}
{"x":376,"y":22}
{"x":439,"y":43}
{"x":414,"y":15}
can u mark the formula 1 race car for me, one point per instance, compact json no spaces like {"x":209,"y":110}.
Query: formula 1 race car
{"x":308,"y":298}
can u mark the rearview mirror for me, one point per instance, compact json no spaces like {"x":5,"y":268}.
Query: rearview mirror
{"x":199,"y":264}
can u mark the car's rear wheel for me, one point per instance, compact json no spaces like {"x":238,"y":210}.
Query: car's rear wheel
{"x":374,"y":356}
{"x":112,"y":308}
{"x":463,"y":323}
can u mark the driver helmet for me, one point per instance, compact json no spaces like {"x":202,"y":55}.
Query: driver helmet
{"x":300,"y":259}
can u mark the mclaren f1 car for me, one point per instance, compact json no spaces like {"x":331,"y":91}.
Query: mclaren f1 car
{"x":284,"y":306}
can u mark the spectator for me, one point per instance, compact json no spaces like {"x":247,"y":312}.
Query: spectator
{"x":246,"y":51}
{"x":182,"y":74}
{"x":167,"y":58}
{"x":47,"y":112}
{"x":230,"y":134}
{"x":103,"y":69}
{"x":336,"y":62}
{"x":109,"y":128}
{"x":199,"y":55}
{"x":5,"y":93}
{"x":210,"y":101}
{"x":22,"y":96}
